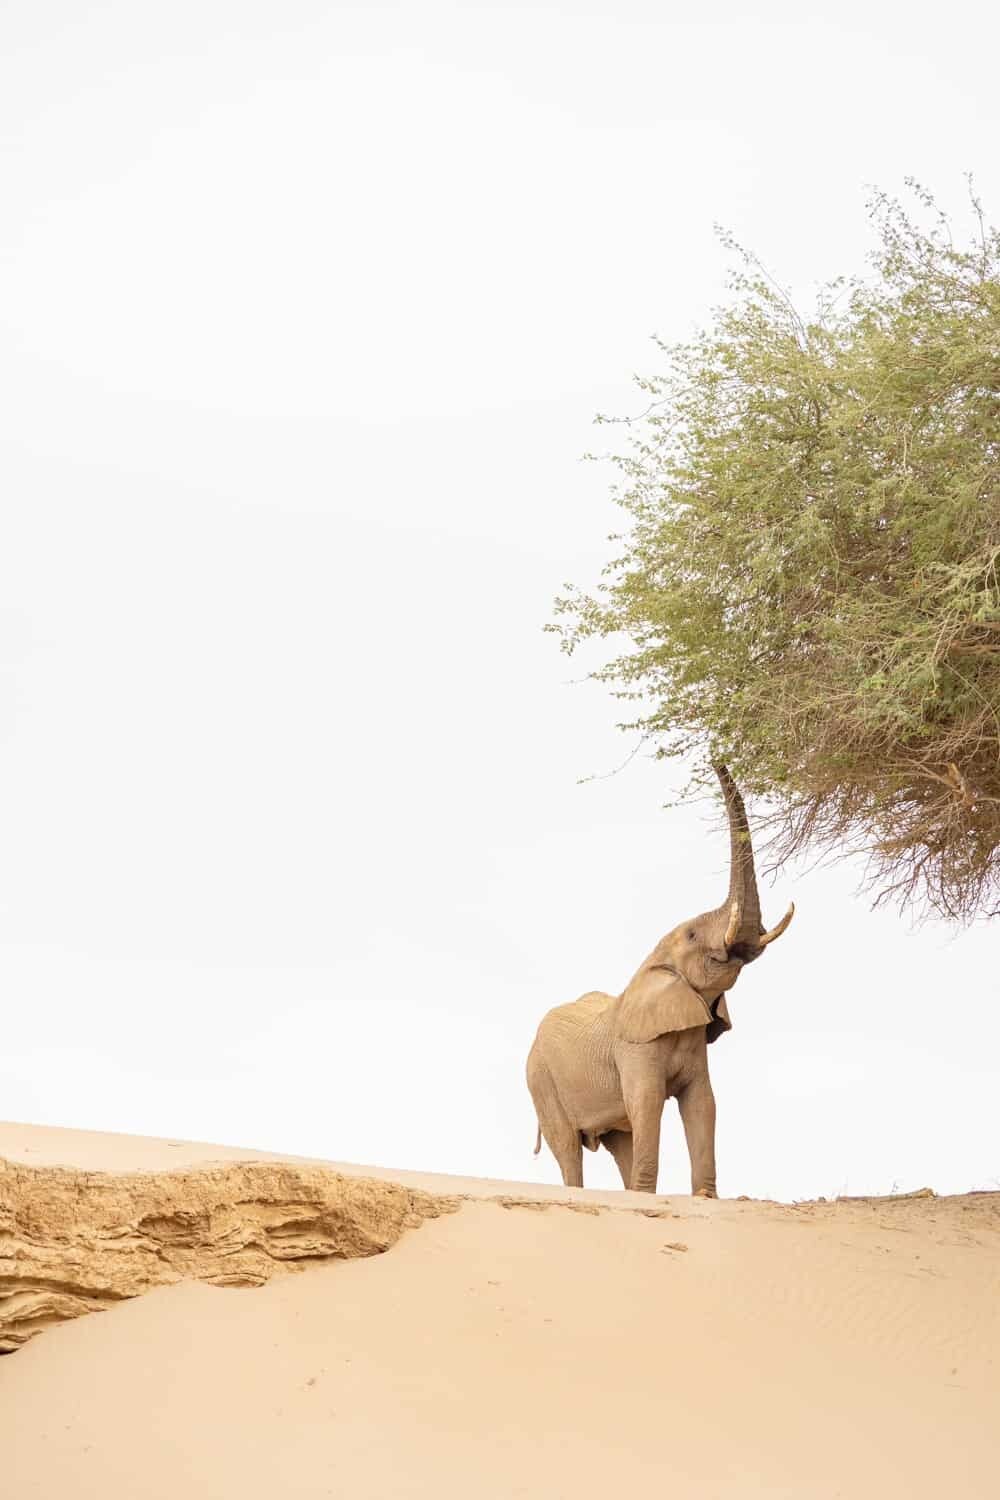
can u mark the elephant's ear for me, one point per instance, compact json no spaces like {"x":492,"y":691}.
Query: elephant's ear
{"x":657,"y":1001}
{"x":720,"y":1021}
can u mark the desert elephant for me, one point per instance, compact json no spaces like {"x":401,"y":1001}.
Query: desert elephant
{"x":602,"y":1067}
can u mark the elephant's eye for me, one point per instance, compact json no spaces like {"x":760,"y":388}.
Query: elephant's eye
{"x":691,"y":934}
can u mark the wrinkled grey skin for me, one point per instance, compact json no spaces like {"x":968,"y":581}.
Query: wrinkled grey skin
{"x":602,"y":1067}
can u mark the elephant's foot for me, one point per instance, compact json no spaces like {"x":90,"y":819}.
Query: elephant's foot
{"x":704,"y":1192}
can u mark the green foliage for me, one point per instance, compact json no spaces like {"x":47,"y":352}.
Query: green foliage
{"x":809,"y":587}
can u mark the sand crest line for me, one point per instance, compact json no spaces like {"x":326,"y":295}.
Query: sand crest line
{"x":77,"y":1240}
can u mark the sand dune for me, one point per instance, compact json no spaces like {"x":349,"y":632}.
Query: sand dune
{"x":512,"y":1347}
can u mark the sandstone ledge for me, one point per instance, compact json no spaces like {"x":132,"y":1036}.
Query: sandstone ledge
{"x":73,"y":1242}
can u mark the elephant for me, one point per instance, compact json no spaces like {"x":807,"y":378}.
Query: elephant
{"x":602,"y":1067}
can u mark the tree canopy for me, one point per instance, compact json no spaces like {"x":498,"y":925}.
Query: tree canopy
{"x":808,"y":587}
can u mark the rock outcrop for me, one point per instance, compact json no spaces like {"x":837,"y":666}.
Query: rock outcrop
{"x":74,"y":1242}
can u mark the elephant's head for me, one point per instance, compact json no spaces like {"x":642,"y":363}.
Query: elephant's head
{"x":683,"y":981}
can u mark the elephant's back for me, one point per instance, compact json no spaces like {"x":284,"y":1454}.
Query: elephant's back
{"x":583,"y":1025}
{"x":590,"y":1010}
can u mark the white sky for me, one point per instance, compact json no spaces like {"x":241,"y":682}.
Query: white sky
{"x":305,"y":312}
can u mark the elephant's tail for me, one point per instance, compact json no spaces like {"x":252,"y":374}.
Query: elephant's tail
{"x":538,"y":1142}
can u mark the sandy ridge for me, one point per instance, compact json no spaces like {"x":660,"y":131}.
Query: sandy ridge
{"x":73,"y":1242}
{"x":79,"y":1240}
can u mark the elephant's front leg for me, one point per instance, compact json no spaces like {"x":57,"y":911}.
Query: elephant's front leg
{"x":644,"y":1093}
{"x":697,"y":1106}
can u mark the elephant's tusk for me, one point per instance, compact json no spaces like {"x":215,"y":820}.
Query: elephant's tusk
{"x":735,"y":918}
{"x":776,"y":932}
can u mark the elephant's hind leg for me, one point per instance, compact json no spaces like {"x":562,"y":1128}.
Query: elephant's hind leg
{"x":619,"y":1143}
{"x":560,"y":1135}
{"x":568,"y":1151}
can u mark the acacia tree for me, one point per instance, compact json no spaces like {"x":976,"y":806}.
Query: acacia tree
{"x":809,"y":583}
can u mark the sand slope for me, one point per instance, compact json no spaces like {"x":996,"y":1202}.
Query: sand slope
{"x":729,"y":1349}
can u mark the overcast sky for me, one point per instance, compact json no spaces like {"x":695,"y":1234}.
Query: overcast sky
{"x":306,"y":309}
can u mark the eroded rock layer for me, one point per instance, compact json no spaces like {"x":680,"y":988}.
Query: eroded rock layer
{"x":73,"y":1242}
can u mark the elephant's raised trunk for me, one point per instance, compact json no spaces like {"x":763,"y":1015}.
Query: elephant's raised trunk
{"x":741,"y":912}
